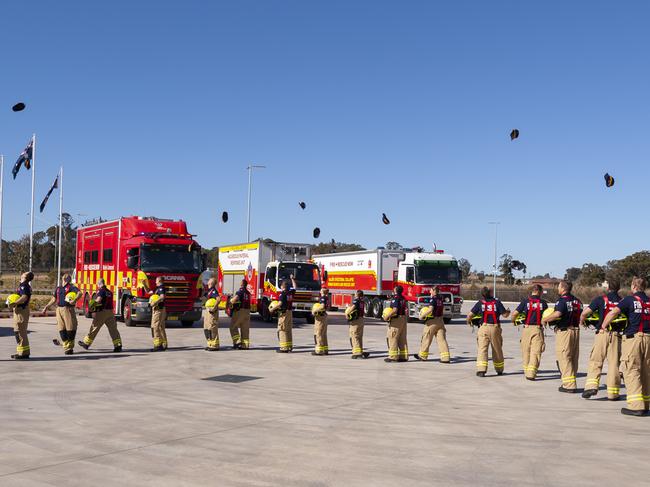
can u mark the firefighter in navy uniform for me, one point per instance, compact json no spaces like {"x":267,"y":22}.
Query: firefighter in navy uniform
{"x":240,"y":319}
{"x":285,"y":316}
{"x":355,"y":313}
{"x":635,"y":349}
{"x":396,"y":334}
{"x":21,"y":316}
{"x":66,"y":315}
{"x":607,"y":344}
{"x":211,"y":317}
{"x":320,"y":325}
{"x":532,"y":336}
{"x":434,"y":326}
{"x":566,"y":320}
{"x":158,"y":318}
{"x":489,"y":333}
{"x":103,"y":315}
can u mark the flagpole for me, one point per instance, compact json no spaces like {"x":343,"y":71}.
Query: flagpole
{"x":58,"y":276}
{"x":31,"y":213}
{"x":2,"y":173}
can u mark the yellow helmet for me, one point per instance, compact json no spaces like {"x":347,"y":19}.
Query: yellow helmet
{"x":593,"y":318}
{"x":71,"y":297}
{"x":12,"y":298}
{"x":351,"y":313}
{"x":210,"y":303}
{"x":426,"y":312}
{"x":317,"y":309}
{"x":548,"y":312}
{"x":385,"y":315}
{"x":520,"y":319}
{"x":274,"y":305}
{"x":154,"y":299}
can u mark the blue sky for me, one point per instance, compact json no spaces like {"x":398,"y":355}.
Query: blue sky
{"x":355,"y":107}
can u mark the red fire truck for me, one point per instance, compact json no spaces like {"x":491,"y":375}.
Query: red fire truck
{"x":378,"y":271}
{"x":265,"y":264}
{"x":129,"y":253}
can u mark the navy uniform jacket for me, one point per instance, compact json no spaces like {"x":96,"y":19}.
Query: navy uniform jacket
{"x":525,"y":306}
{"x":286,"y":300}
{"x":489,"y":309}
{"x":570,"y":308}
{"x":24,"y":289}
{"x":160,"y":290}
{"x":438,"y":306}
{"x":244,"y":299}
{"x":636,"y":314}
{"x":107,"y":298}
{"x":598,"y":305}
{"x":60,"y":292}
{"x":400,"y":303}
{"x":360,"y":307}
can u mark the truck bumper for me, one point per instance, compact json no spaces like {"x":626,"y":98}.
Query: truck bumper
{"x":141,"y":312}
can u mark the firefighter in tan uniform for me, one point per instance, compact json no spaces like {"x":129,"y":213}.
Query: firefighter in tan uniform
{"x":158,"y":317}
{"x":607,"y":343}
{"x":66,"y":315}
{"x":489,"y":334}
{"x":355,"y":313}
{"x":285,"y":317}
{"x":434,"y":326}
{"x":320,"y":325}
{"x":240,"y":319}
{"x":103,"y":314}
{"x":21,"y":316}
{"x":566,"y":320}
{"x":211,"y":317}
{"x":532,"y":336}
{"x":396,"y":334}
{"x":635,"y":349}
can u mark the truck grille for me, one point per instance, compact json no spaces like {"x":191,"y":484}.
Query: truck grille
{"x":177,"y":296}
{"x":302,"y":296}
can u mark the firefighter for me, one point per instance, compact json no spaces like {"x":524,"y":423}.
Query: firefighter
{"x":355,"y":313}
{"x":635,"y":347}
{"x":489,"y":333}
{"x":103,"y":315}
{"x":21,"y":316}
{"x":285,"y":316}
{"x":211,"y":317}
{"x":240,"y":319}
{"x":565,"y":320}
{"x":396,"y":335}
{"x":66,"y":315}
{"x":320,"y":324}
{"x":434,"y":326}
{"x":158,"y":317}
{"x":607,"y":344}
{"x":532,"y":336}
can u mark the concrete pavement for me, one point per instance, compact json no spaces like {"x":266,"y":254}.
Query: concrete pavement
{"x":139,"y":418}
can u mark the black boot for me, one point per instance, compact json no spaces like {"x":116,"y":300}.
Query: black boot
{"x":83,"y":345}
{"x":117,"y":349}
{"x":365,"y":354}
{"x":19,"y":357}
{"x":587,"y":393}
{"x":480,"y":374}
{"x":633,"y":412}
{"x":569,"y":391}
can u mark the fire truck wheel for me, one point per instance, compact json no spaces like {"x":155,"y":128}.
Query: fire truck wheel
{"x":377,"y":307}
{"x":126,"y":312}
{"x":187,"y":323}
{"x":446,"y":320}
{"x":264,"y":312}
{"x":367,"y":306}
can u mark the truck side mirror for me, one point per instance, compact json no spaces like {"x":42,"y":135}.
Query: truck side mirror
{"x":133,"y":251}
{"x":324,"y":275}
{"x":132,"y":262}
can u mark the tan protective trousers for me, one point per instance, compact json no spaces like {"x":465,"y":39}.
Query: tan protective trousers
{"x":434,"y":328}
{"x":100,"y":318}
{"x":635,"y":358}
{"x":285,"y":330}
{"x":607,"y":345}
{"x":240,"y":324}
{"x":396,"y":335}
{"x":356,"y":336}
{"x":211,"y":328}
{"x":567,"y":348}
{"x":158,"y":331}
{"x":21,"y":320}
{"x":320,"y":334}
{"x":66,"y":325}
{"x":489,"y":336}
{"x":532,"y":347}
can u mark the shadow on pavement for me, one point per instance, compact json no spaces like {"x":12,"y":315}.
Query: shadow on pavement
{"x":88,"y":356}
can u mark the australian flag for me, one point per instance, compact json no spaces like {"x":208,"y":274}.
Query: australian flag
{"x":25,"y":158}
{"x":55,"y":185}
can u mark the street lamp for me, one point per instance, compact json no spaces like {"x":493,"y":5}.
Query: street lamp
{"x":496,"y":234}
{"x":250,"y":187}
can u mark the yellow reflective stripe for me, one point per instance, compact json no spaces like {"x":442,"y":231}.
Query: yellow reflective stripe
{"x":613,"y":389}
{"x":117,"y":342}
{"x":157,"y":342}
{"x":569,"y":377}
{"x":424,"y":354}
{"x":443,"y":354}
{"x":88,"y":341}
{"x":22,"y":349}
{"x":393,"y":353}
{"x":246,"y":342}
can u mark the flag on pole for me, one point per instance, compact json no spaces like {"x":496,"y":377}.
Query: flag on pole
{"x":25,"y":158}
{"x":55,"y":185}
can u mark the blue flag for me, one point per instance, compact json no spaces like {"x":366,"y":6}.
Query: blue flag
{"x":25,"y":158}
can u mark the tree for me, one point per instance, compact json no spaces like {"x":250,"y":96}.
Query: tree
{"x":635,"y":265}
{"x":18,"y":255}
{"x":465,"y":268}
{"x":572,"y":274}
{"x":480,"y":276}
{"x":505,"y":267}
{"x":393,"y":246}
{"x":591,"y":275}
{"x":334,"y":247}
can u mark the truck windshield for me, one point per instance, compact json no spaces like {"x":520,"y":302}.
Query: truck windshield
{"x":307,"y":275}
{"x":437,"y":272}
{"x":170,"y":258}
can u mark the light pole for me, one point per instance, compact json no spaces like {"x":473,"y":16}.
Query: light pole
{"x":496,"y":234}
{"x":250,"y":188}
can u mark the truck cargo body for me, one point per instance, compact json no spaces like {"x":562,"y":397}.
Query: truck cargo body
{"x":265,"y":265}
{"x":376,"y":272}
{"x":129,"y":254}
